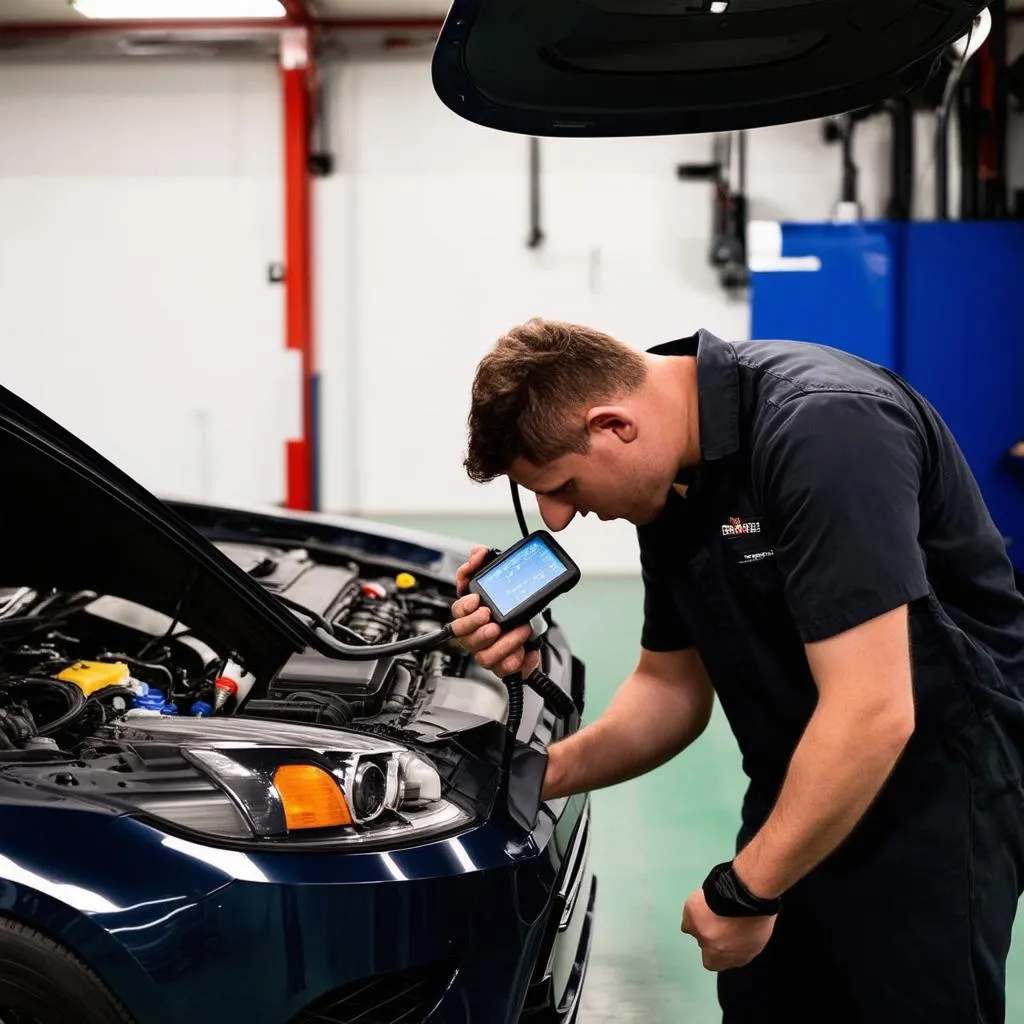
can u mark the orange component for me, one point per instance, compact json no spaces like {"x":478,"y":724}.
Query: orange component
{"x":311,"y":797}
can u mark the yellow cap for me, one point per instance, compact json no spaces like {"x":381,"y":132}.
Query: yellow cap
{"x":405,"y":581}
{"x":90,"y":676}
{"x":311,"y":798}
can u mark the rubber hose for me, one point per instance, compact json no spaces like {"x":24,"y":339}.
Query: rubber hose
{"x":514,"y":685}
{"x":319,"y":713}
{"x":151,"y":666}
{"x":554,"y":696}
{"x":333,"y":701}
{"x":76,"y":700}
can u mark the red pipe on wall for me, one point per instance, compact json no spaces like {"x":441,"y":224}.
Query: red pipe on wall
{"x":297,"y":81}
{"x":297,"y":11}
{"x":296,"y":72}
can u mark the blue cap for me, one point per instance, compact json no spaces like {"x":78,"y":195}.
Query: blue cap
{"x":169,"y":709}
{"x":152,"y":701}
{"x":202,"y":709}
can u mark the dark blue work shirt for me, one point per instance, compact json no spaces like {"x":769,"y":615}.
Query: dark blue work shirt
{"x":828,"y":493}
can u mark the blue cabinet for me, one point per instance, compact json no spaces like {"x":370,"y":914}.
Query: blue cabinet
{"x":941,"y":303}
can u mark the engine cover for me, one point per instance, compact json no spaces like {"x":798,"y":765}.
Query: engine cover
{"x":360,"y":680}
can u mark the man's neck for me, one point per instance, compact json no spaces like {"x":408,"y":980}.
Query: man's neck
{"x":674,"y":385}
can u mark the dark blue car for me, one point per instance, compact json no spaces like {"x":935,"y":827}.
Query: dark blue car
{"x":211,"y":811}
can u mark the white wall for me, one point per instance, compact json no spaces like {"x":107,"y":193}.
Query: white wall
{"x":423,"y":264}
{"x":140,"y":203}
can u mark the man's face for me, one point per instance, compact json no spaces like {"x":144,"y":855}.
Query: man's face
{"x":614,"y":480}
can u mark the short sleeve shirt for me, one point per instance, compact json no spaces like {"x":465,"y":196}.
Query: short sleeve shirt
{"x":828,"y":493}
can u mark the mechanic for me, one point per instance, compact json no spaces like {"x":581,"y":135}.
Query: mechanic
{"x":815,"y":551}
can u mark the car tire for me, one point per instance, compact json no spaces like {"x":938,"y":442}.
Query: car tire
{"x":41,"y":982}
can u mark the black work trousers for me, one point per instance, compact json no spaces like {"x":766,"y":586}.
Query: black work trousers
{"x":909,"y":922}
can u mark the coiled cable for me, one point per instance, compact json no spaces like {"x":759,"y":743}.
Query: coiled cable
{"x":560,"y":703}
{"x":514,"y":684}
{"x":72,"y":695}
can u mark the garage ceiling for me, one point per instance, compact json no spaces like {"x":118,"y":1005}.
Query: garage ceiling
{"x":61,"y":11}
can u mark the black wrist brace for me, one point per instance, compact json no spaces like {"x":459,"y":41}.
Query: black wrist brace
{"x":727,"y":896}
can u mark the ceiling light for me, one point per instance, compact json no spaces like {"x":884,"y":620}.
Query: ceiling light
{"x":168,"y":10}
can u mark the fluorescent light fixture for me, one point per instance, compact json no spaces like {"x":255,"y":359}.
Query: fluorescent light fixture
{"x":171,"y":10}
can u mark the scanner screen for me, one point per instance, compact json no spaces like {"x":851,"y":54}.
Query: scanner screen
{"x":522,"y":575}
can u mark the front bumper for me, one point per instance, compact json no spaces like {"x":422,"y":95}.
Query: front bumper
{"x":478,"y":928}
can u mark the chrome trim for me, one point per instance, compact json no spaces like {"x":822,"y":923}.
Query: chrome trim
{"x":250,"y":786}
{"x":575,"y":869}
{"x":14,"y":600}
{"x":246,"y":774}
{"x":574,"y":895}
{"x":354,"y":779}
{"x":582,"y":953}
{"x":576,"y":862}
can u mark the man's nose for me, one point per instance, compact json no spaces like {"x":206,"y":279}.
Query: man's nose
{"x":556,"y":514}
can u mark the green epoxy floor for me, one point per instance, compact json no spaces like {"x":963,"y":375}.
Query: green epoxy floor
{"x":654,"y":837}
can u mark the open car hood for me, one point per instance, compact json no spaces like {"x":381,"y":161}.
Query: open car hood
{"x":655,"y":67}
{"x":70,"y":519}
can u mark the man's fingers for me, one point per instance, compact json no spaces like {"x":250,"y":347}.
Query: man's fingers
{"x":511,"y":664}
{"x":509,"y":644}
{"x":465,"y":605}
{"x":470,"y":566}
{"x":481,"y":642}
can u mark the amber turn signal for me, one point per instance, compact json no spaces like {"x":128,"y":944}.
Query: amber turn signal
{"x":311,"y":797}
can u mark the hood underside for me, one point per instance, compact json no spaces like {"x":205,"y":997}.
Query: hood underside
{"x":69,"y":519}
{"x":650,"y":67}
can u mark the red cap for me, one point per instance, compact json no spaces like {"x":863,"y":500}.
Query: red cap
{"x":373,"y":590}
{"x":223,"y":683}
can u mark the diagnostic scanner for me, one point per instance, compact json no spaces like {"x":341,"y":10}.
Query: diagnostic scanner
{"x":521,"y":581}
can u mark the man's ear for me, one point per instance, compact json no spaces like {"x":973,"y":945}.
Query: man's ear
{"x":615,"y":418}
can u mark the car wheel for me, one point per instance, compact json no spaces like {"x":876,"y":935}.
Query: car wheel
{"x":43,"y":983}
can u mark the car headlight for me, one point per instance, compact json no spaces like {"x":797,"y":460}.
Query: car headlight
{"x":360,"y":794}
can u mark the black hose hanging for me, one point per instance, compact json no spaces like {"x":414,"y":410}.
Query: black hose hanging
{"x":536,"y":236}
{"x":517,"y":504}
{"x":72,"y":696}
{"x":968,"y":116}
{"x":901,"y":166}
{"x":559,"y":702}
{"x":995,"y":201}
{"x":514,"y":685}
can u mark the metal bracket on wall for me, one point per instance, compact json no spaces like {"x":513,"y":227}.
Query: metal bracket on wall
{"x":728,"y":173}
{"x":321,"y":156}
{"x":536,"y":237}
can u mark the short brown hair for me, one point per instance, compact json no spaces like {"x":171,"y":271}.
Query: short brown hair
{"x":530,"y":390}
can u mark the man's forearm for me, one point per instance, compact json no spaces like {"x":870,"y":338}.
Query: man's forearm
{"x":837,"y":770}
{"x":647,"y":723}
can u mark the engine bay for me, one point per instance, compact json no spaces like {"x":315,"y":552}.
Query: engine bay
{"x":74,"y":662}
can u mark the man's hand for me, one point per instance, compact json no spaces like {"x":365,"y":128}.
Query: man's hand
{"x":501,"y":653}
{"x":725,"y":942}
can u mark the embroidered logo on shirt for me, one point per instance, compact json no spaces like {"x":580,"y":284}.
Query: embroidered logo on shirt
{"x":737,"y":527}
{"x":756,"y":556}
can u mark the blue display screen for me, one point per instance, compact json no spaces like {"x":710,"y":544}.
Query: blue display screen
{"x":522,"y":575}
